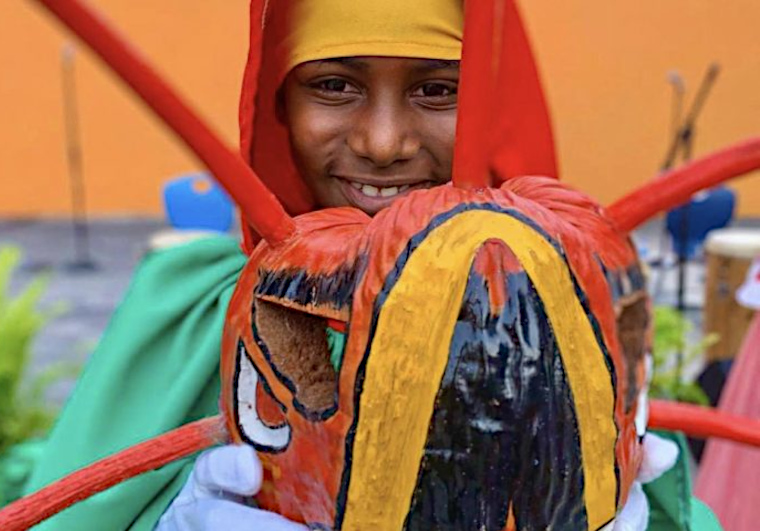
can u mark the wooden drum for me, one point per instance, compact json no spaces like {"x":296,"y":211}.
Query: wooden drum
{"x":729,"y":254}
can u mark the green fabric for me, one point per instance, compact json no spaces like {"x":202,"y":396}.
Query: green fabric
{"x":336,"y":343}
{"x":672,"y":506}
{"x":16,"y":466}
{"x":155,"y":369}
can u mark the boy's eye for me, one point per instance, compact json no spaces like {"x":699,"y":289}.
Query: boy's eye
{"x":335,"y":85}
{"x":436,"y":90}
{"x":437,"y":94}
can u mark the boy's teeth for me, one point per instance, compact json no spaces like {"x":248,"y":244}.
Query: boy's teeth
{"x":389,"y":192}
{"x":374,"y":191}
{"x":370,"y":191}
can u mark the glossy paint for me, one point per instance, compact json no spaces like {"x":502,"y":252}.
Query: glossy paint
{"x":385,"y":457}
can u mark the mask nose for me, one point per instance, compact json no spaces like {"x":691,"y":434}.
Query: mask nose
{"x":384,"y":135}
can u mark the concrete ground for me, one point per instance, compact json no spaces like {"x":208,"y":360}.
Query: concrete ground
{"x":116,"y":247}
{"x":89,"y":296}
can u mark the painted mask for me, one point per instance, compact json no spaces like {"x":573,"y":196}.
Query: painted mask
{"x":492,"y":369}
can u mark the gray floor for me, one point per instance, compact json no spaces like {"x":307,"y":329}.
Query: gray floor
{"x":116,"y":247}
{"x":89,"y":296}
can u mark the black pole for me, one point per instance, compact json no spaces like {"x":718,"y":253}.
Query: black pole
{"x":82,"y":256}
{"x":685,"y":141}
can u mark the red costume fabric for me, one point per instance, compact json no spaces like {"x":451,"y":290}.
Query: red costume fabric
{"x":727,"y":479}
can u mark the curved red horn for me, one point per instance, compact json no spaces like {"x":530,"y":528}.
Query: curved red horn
{"x":703,"y":422}
{"x":676,"y":187}
{"x":104,"y":474}
{"x":258,"y":204}
{"x":503,"y":120}
{"x":478,"y":72}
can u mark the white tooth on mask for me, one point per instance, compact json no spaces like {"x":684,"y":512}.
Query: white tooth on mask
{"x":370,"y":191}
{"x":358,"y":186}
{"x":389,"y":192}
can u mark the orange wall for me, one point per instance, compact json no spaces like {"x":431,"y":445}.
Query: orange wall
{"x":604,"y":65}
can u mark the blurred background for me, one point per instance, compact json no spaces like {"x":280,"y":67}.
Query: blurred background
{"x":604,"y":65}
{"x":614,"y":72}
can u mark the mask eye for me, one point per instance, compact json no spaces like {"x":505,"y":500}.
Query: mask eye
{"x":298,"y":348}
{"x":632,"y":323}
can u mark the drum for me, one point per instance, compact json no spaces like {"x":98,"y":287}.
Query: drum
{"x":729,"y":254}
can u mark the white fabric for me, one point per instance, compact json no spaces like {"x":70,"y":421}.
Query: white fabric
{"x":748,"y":294}
{"x":214,"y":497}
{"x":660,"y":455}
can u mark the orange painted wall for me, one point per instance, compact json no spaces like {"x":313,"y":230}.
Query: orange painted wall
{"x":604,"y":65}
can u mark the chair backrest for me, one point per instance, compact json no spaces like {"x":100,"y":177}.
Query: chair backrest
{"x":706,"y":211}
{"x":196,"y":202}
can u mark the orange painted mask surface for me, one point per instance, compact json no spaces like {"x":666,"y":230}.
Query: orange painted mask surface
{"x":314,"y":427}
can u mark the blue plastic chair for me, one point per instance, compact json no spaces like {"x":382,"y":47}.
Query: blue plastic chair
{"x":706,"y":212}
{"x":196,"y":202}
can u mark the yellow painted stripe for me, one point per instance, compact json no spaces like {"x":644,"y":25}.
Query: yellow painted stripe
{"x":410,"y":352}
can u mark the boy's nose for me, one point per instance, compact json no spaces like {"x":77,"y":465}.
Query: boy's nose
{"x":384,"y":135}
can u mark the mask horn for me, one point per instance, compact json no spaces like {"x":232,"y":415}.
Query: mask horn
{"x":703,"y":422}
{"x":676,"y":187}
{"x":258,"y":205}
{"x":503,"y":121}
{"x":104,"y":474}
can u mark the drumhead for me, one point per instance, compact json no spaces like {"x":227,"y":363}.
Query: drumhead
{"x":734,"y":242}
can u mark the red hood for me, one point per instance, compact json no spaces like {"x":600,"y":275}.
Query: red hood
{"x":526,"y":147}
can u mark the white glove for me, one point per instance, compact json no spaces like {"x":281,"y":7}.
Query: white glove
{"x":223,"y":478}
{"x":213,"y":499}
{"x":660,"y":455}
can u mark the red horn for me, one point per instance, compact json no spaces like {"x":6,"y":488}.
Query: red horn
{"x":503,"y":121}
{"x":104,"y":474}
{"x":475,"y":142}
{"x":258,"y":204}
{"x":676,"y":187}
{"x":703,"y":422}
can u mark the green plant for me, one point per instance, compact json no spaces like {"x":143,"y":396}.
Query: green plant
{"x":671,"y":330}
{"x":24,"y":413}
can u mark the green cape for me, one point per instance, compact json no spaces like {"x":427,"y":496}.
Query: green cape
{"x":156,"y":368}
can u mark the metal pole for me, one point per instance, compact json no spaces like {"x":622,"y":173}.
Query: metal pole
{"x":82,"y":257}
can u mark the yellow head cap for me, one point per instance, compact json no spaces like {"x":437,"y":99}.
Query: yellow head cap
{"x":327,"y":29}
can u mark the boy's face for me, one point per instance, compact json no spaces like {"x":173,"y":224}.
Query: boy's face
{"x":367,"y":130}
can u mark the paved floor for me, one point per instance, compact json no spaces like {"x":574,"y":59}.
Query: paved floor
{"x":116,"y":247}
{"x":89,"y":296}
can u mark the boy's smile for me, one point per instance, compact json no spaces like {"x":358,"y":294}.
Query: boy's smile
{"x":367,"y":130}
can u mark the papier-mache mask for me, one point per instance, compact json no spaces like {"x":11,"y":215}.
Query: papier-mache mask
{"x":493,"y":362}
{"x":471,"y":358}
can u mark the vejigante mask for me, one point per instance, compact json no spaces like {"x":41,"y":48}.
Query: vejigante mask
{"x":471,"y":358}
{"x":493,"y":363}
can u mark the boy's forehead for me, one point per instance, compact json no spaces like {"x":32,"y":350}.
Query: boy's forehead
{"x":365,"y":62}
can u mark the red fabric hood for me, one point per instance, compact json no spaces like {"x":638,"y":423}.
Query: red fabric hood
{"x":526,"y":145}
